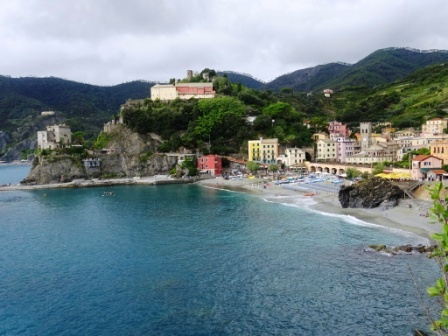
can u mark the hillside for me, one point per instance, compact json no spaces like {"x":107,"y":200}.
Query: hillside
{"x":381,"y":67}
{"x":90,"y":105}
{"x":407,"y":102}
{"x":244,"y":79}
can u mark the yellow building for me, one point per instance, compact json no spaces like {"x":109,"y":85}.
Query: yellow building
{"x":439,"y":149}
{"x":263,"y":150}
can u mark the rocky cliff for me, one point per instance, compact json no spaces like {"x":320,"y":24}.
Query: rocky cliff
{"x":370,"y":194}
{"x":130,"y":155}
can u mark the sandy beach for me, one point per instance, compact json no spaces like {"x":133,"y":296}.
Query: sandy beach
{"x":407,"y":216}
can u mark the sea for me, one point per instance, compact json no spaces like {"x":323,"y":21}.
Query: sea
{"x":192,"y":260}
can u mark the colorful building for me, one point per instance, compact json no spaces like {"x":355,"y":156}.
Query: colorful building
{"x":422,"y":164}
{"x":439,"y":149}
{"x":263,"y":150}
{"x":211,"y":164}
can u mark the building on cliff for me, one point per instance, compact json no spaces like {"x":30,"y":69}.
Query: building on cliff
{"x":55,"y":136}
{"x":167,"y":92}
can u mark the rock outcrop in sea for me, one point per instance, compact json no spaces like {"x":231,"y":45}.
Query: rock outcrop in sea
{"x":370,"y":193}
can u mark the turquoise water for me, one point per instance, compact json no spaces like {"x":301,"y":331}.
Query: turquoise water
{"x":189,"y":260}
{"x":13,"y":173}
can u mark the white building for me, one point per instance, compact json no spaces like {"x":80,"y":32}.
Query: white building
{"x":294,"y":157}
{"x":167,"y":92}
{"x":54,"y":137}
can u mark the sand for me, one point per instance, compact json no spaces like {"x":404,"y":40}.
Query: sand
{"x":407,"y":216}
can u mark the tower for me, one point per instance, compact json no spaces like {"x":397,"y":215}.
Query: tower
{"x":189,"y":74}
{"x":365,"y":128}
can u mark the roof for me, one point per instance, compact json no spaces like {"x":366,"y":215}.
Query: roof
{"x":424,"y":157}
{"x":438,"y":171}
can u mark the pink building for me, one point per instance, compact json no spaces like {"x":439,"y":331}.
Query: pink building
{"x":346,"y":148}
{"x":338,"y":130}
{"x":422,"y":164}
{"x":211,"y":164}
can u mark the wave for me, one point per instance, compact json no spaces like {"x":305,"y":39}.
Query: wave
{"x":306,"y":203}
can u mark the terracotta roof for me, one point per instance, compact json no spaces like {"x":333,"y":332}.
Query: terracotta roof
{"x":438,"y":171}
{"x":422,"y":157}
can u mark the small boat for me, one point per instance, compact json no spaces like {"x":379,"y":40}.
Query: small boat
{"x":309,"y":194}
{"x":108,"y":193}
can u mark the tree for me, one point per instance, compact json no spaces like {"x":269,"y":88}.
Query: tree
{"x":273,"y":167}
{"x":378,"y":168}
{"x":352,"y":173}
{"x":253,"y":167}
{"x":439,"y":212}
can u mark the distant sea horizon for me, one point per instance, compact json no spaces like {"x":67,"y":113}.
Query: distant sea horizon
{"x":190,"y":260}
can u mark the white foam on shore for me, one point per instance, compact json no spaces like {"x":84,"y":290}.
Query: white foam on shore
{"x":306,"y":203}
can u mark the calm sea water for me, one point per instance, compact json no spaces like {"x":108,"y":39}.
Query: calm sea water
{"x":189,"y":260}
{"x":13,"y":173}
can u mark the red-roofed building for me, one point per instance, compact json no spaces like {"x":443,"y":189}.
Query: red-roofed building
{"x":210,"y":164}
{"x":422,"y":164}
{"x":437,"y":175}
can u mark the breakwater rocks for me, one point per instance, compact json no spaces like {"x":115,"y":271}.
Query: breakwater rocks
{"x":403,"y":249}
{"x":370,"y":194}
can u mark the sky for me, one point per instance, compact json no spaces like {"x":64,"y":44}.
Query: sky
{"x":108,"y":42}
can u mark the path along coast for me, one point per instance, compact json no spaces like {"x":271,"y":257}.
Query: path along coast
{"x":407,"y":216}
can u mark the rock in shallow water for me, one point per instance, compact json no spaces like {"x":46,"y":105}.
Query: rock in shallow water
{"x":370,"y":194}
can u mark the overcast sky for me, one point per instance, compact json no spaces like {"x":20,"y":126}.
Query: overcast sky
{"x":108,"y":42}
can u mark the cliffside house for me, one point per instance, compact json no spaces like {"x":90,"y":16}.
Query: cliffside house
{"x":168,"y":92}
{"x":211,"y":164}
{"x":55,"y":136}
{"x":92,"y":164}
{"x":422,"y":164}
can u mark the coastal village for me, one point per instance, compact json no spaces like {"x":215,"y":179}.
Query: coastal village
{"x":333,"y":152}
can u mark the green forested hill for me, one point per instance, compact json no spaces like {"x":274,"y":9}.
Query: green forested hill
{"x":405,"y":102}
{"x":84,"y":104}
{"x":381,"y":67}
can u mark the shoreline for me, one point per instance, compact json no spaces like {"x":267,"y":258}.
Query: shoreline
{"x":405,"y":216}
{"x":95,"y":183}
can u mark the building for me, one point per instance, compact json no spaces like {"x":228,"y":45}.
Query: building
{"x":47,"y":113}
{"x":337,"y":129}
{"x":434,"y":126}
{"x":263,"y":150}
{"x":92,"y":164}
{"x":55,"y":136}
{"x":422,"y":164}
{"x":379,"y":152}
{"x":168,"y":92}
{"x":211,"y":164}
{"x":346,"y":148}
{"x":326,"y":150}
{"x":365,"y":130}
{"x":294,"y":157}
{"x":439,"y":149}
{"x":328,"y":93}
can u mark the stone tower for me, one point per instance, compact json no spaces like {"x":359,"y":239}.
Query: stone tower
{"x":365,"y":130}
